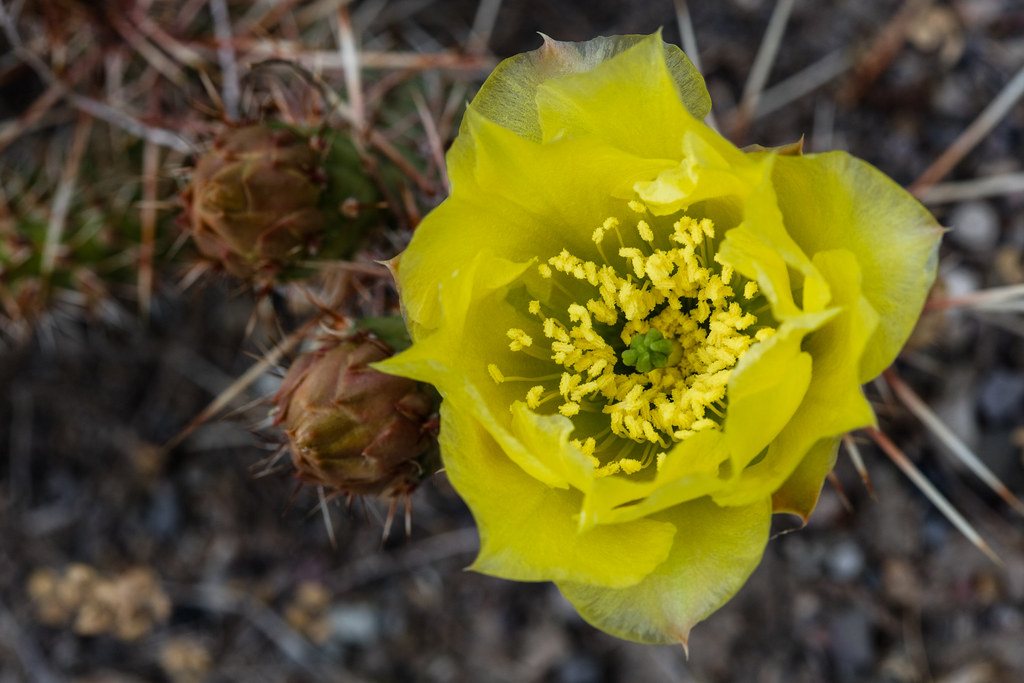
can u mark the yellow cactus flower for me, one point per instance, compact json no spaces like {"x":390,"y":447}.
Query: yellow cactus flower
{"x":647,"y":340}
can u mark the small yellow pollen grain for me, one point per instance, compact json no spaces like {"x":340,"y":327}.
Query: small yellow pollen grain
{"x":661,"y":459}
{"x":636,"y":257}
{"x":569,"y":409}
{"x":586,"y":447}
{"x":764,"y":333}
{"x":552,"y":330}
{"x":598,"y":235}
{"x":495,"y":373}
{"x":707,"y":227}
{"x":520,"y":339}
{"x":534,"y":307}
{"x":568,"y":382}
{"x":533,"y":397}
{"x":608,"y":470}
{"x":637,"y":206}
{"x":629,"y":465}
{"x":645,"y":231}
{"x":750,"y":290}
{"x":545,"y":270}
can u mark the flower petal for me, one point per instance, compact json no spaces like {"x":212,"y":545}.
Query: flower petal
{"x":766,"y":388}
{"x":528,"y":531}
{"x":630,"y":101}
{"x":715,"y":550}
{"x":474,"y":299}
{"x":515,"y":198}
{"x":834,"y":402}
{"x":798,"y":495}
{"x":509,"y":97}
{"x":711,"y":167}
{"x":690,"y":471}
{"x":835,"y":201}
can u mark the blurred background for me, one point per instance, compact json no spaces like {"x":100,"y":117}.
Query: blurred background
{"x":133,"y":551}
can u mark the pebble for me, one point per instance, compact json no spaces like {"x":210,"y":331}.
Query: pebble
{"x":935,"y":532}
{"x":1014,"y":577}
{"x":1001,"y":397}
{"x":164,"y":516}
{"x":975,"y":226}
{"x":901,"y":583}
{"x":578,"y":669}
{"x":845,"y":560}
{"x":805,"y":558}
{"x":948,"y":98}
{"x":960,"y":281}
{"x":851,"y":644}
{"x":978,"y":672}
{"x":442,"y":669}
{"x":957,"y":406}
{"x":354,"y":624}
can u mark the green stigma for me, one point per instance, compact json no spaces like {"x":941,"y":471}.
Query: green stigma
{"x":648,"y":351}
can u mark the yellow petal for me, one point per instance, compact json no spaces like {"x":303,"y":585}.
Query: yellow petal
{"x":798,"y":495}
{"x":528,"y":531}
{"x":690,"y":471}
{"x":834,"y":201}
{"x":509,"y":97}
{"x":711,"y":167}
{"x":834,"y":402}
{"x":459,"y":371}
{"x":628,"y":100}
{"x":715,"y":550}
{"x":514,"y":198}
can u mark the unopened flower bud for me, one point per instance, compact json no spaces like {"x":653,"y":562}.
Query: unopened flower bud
{"x":351,"y":427}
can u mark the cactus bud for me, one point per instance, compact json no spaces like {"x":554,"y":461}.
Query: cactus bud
{"x":351,"y":427}
{"x":264,"y":199}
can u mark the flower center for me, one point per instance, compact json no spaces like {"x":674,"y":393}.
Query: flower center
{"x":648,"y":353}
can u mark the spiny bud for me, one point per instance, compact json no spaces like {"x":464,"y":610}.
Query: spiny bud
{"x":264,"y":199}
{"x":252,"y":201}
{"x":353,"y":428}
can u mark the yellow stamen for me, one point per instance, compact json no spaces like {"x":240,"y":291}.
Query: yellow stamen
{"x":629,"y":465}
{"x":533,"y":397}
{"x":520,"y":339}
{"x":646,"y":234}
{"x":496,"y":374}
{"x":683,"y":292}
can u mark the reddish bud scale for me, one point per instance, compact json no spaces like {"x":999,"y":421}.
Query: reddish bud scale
{"x":351,"y":427}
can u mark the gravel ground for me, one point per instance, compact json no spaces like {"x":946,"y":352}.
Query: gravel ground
{"x":229,"y":577}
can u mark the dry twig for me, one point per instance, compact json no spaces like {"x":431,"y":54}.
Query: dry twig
{"x":929,"y":490}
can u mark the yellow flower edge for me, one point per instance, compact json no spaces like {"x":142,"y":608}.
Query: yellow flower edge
{"x":647,"y":341}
